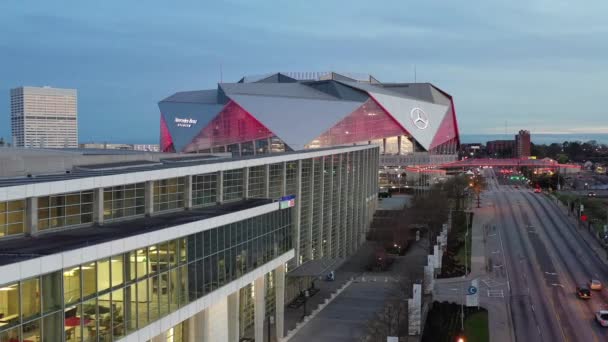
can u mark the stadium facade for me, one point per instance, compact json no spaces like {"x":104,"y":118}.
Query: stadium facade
{"x":413,"y":123}
{"x":199,"y":247}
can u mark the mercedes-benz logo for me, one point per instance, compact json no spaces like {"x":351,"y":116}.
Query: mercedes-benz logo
{"x":419,"y":118}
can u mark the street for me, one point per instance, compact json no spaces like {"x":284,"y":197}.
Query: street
{"x":545,"y":260}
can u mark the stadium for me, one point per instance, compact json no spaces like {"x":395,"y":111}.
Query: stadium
{"x":413,"y":123}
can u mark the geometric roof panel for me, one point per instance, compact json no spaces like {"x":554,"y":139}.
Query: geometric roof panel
{"x":421,"y":119}
{"x":296,"y":121}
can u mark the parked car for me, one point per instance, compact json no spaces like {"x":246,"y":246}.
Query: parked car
{"x":595,"y":284}
{"x":602,"y":317}
{"x":583,"y":292}
{"x":591,"y":194}
{"x":537,"y":190}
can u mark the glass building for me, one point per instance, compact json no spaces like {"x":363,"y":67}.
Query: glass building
{"x":186,"y":249}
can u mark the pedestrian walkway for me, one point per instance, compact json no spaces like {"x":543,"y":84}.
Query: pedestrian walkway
{"x":493,"y":285}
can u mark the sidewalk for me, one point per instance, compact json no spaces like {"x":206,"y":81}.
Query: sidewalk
{"x":492,"y":292}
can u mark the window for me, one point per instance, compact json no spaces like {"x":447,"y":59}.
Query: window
{"x":124,"y":201}
{"x":65,"y":210}
{"x":233,"y":184}
{"x":12,"y":217}
{"x":275,"y":186}
{"x":168,"y":194}
{"x":257,"y":181}
{"x":204,"y":189}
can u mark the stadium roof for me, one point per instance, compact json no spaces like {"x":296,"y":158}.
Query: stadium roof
{"x":299,"y":108}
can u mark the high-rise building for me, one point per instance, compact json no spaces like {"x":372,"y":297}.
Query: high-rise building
{"x":44,"y":117}
{"x":522,"y":144}
{"x":185,"y":248}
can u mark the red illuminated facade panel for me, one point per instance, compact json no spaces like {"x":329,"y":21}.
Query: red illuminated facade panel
{"x":166,"y":141}
{"x":368,"y":122}
{"x":232,"y":125}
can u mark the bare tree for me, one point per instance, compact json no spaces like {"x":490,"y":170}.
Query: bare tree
{"x":393,"y":318}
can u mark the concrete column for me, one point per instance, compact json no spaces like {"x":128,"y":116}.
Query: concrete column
{"x":254,"y":148}
{"x":399,"y":145}
{"x":233,"y":317}
{"x":267,"y":181}
{"x":269,"y":145}
{"x":284,"y":180}
{"x":246,"y":182}
{"x":320,"y":247}
{"x":149,"y":198}
{"x":240,"y":151}
{"x":259,"y":308}
{"x":98,"y":206}
{"x":297,"y":211}
{"x":31,"y":215}
{"x":215,"y":322}
{"x":313,"y":198}
{"x":160,"y":338}
{"x":330,"y":174}
{"x":279,"y":290}
{"x":194,"y":325}
{"x":220,"y":187}
{"x":188,"y":192}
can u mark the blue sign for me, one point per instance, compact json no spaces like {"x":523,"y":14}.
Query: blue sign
{"x":287,"y":198}
{"x":287,"y":202}
{"x":472,"y":290}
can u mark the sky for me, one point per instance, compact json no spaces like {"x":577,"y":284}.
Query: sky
{"x":538,"y":64}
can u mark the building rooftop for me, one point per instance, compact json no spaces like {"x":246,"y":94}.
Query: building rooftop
{"x":27,"y":247}
{"x":107,"y":169}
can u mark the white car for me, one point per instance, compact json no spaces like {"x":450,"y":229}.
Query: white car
{"x":602,"y":317}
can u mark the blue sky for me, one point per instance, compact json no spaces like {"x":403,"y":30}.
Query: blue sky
{"x":537,"y":64}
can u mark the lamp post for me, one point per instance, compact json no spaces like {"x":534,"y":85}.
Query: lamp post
{"x":270,"y":321}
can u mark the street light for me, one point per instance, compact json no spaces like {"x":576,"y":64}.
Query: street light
{"x":270,"y":321}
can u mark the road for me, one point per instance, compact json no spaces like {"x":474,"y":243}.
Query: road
{"x":545,"y":259}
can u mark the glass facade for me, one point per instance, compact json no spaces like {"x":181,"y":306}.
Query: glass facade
{"x":106,"y":299}
{"x":124,"y":201}
{"x":257,"y":182}
{"x":65,"y":210}
{"x":232,"y":125}
{"x":233,"y":184}
{"x":168,"y":194}
{"x":275,"y":181}
{"x":204,"y":189}
{"x":12,"y":217}
{"x":367,"y":123}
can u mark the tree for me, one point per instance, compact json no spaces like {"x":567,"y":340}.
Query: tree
{"x":392,"y":319}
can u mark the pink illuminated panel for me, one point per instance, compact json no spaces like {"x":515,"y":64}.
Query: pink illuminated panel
{"x":166,"y":141}
{"x":368,"y":122}
{"x":232,"y":125}
{"x":446,"y":131}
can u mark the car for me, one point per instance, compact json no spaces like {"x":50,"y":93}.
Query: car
{"x":602,"y":317}
{"x":537,"y":190}
{"x":591,"y":194}
{"x":595,"y":285}
{"x":517,"y":187}
{"x":583,"y":292}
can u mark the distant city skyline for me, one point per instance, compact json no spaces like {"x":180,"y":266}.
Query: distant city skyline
{"x":545,"y":75}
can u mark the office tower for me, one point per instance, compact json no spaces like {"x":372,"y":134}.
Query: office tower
{"x":44,"y":117}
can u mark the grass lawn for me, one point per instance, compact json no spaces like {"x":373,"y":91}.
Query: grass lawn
{"x":476,"y":327}
{"x":460,"y":257}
